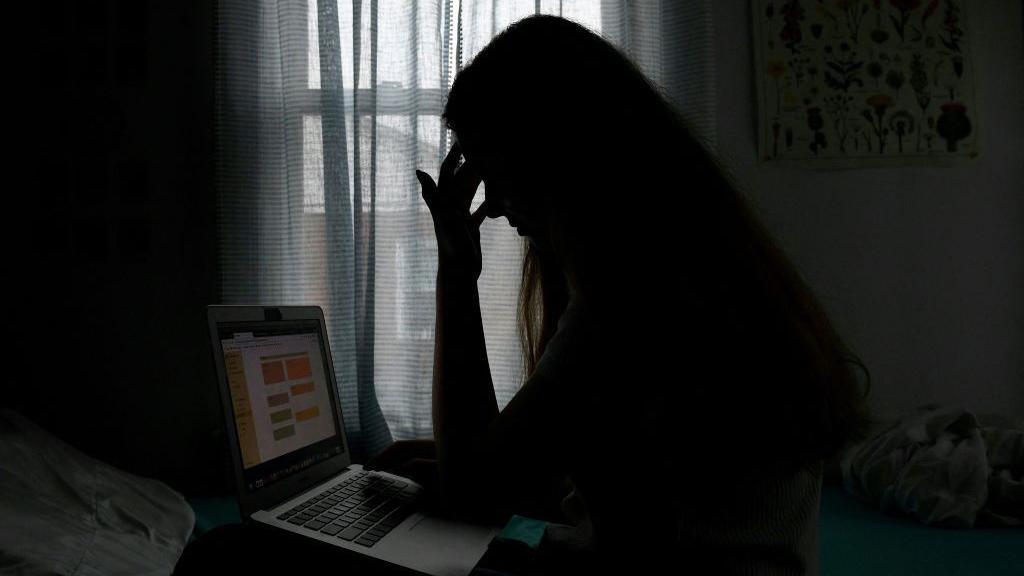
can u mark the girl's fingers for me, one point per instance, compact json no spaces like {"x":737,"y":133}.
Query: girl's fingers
{"x":451,"y":161}
{"x":477,"y":218}
{"x":465,"y":182}
{"x":468,"y":181}
{"x":427,"y":186}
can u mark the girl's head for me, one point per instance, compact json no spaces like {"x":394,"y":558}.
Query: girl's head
{"x":625,"y":207}
{"x":586,"y":158}
{"x":566,"y":131}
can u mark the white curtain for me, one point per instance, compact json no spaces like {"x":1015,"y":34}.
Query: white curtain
{"x":325,"y":109}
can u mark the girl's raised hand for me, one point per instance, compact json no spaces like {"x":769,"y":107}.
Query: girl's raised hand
{"x":449,"y":200}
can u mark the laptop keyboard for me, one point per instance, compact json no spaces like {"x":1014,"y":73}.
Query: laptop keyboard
{"x":362,"y":509}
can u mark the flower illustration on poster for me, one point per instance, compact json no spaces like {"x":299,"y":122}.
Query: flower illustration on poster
{"x":850,"y":83}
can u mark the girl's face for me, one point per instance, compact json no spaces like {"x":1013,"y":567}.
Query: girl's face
{"x":509,"y":192}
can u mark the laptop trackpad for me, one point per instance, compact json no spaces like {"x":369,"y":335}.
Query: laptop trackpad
{"x":438,"y":546}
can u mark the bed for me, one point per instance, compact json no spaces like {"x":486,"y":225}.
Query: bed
{"x":854,"y":540}
{"x":62,"y":512}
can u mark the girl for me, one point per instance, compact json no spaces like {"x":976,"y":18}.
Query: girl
{"x":684,"y":386}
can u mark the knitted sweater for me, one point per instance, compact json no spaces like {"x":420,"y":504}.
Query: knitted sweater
{"x":644,"y":494}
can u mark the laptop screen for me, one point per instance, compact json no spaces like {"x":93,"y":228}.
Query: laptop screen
{"x":284,"y":412}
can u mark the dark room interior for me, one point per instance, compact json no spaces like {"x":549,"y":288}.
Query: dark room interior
{"x":133,"y":167}
{"x":116,"y":244}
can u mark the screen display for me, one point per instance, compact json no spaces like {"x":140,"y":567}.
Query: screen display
{"x":283,"y":408}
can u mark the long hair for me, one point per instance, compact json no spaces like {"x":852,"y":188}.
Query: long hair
{"x":543,"y":296}
{"x":566,"y":105}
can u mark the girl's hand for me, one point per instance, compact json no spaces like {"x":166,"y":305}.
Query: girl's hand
{"x":413,"y":459}
{"x":457,"y":231}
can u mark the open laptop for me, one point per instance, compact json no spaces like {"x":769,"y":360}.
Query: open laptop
{"x":292,"y":464}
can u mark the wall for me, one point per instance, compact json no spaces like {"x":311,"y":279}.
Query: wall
{"x":921,"y":268}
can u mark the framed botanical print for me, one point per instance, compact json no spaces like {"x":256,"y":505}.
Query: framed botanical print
{"x":847,"y":83}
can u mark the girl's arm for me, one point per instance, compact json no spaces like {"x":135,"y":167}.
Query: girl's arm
{"x":483,"y":458}
{"x":464,"y":405}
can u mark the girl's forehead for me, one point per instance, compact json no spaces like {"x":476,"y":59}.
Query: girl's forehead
{"x":483,"y":157}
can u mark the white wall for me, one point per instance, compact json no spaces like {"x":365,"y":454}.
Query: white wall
{"x":921,"y":268}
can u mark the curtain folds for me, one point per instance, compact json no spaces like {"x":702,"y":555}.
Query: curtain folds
{"x":325,"y":109}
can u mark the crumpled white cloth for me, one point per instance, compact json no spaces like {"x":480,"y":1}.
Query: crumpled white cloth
{"x":63,"y":512}
{"x":944,"y":466}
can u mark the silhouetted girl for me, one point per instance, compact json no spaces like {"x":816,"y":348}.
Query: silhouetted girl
{"x":684,"y":386}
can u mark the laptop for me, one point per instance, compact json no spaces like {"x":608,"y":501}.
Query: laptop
{"x":291,"y":458}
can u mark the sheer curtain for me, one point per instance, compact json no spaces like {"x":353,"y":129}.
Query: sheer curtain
{"x":325,"y":109}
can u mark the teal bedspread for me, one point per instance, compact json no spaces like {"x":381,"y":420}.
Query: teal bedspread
{"x":856,"y":540}
{"x":853,"y":540}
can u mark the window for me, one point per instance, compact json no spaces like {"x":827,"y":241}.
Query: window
{"x":399,"y":124}
{"x":323,"y":115}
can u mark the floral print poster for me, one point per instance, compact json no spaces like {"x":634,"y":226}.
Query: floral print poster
{"x":847,"y":83}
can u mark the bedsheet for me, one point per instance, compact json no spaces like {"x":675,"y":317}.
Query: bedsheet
{"x":945,"y":467}
{"x":64,"y":512}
